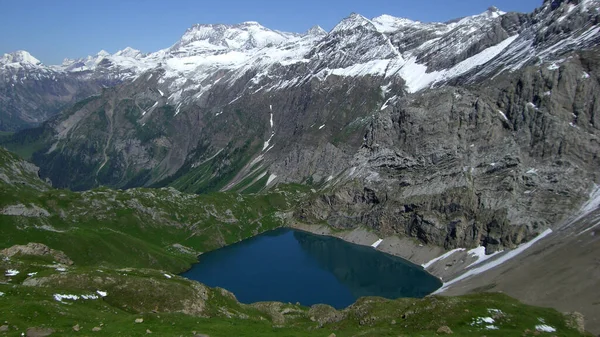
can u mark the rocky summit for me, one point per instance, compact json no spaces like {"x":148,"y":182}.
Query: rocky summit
{"x":455,"y":145}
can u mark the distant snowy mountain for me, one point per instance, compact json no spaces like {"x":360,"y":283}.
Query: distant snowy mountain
{"x":421,"y":54}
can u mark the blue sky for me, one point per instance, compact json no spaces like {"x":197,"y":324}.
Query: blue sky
{"x":53,"y":30}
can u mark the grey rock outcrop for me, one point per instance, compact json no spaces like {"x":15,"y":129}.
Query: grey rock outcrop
{"x":37,"y":249}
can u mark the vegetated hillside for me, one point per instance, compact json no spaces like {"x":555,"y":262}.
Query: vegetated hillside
{"x":107,"y":262}
{"x":143,"y":228}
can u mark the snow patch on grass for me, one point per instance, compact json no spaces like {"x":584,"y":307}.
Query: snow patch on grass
{"x":545,"y":328}
{"x":11,"y":272}
{"x":482,"y":320}
{"x":168,"y":276}
{"x":101,"y":293}
{"x":61,"y":297}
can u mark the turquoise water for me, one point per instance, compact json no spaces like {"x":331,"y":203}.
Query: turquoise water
{"x":286,"y":265}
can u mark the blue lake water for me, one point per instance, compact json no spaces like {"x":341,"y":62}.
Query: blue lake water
{"x":286,"y":265}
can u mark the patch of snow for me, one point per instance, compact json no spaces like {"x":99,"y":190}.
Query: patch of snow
{"x":553,"y":66}
{"x":531,"y":105}
{"x":377,"y":243}
{"x":266,"y":144}
{"x":161,"y":93}
{"x":102,"y":293}
{"x":89,"y":297}
{"x":168,"y":276}
{"x":492,"y":327}
{"x":545,"y":328}
{"x":442,"y":257}
{"x":62,"y":269}
{"x":479,"y":252}
{"x":503,"y":115}
{"x":329,"y":178}
{"x":271,"y":121}
{"x":271,"y":178}
{"x":509,"y":255}
{"x":495,"y":311}
{"x":417,"y":77}
{"x":1,"y":294}
{"x":322,"y":126}
{"x":61,"y":297}
{"x":548,"y":93}
{"x":585,"y":75}
{"x":385,"y":105}
{"x":531,"y":171}
{"x":591,"y":205}
{"x":482,"y":320}
{"x":149,"y":77}
{"x":11,"y":272}
{"x":352,"y":171}
{"x":32,"y":274}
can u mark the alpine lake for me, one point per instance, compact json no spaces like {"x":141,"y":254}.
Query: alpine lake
{"x":287,"y":265}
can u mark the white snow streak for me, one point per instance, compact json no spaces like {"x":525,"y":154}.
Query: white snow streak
{"x":545,"y":328}
{"x":441,"y":257}
{"x":266,"y":144}
{"x":591,"y":205}
{"x":503,"y":115}
{"x":61,"y":297}
{"x":271,"y":178}
{"x":377,"y":243}
{"x":496,"y":262}
{"x":479,"y":252}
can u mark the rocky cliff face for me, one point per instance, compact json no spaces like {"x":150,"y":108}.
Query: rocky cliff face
{"x":490,"y":164}
{"x":477,"y":131}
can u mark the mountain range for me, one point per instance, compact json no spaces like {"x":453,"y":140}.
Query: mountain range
{"x":478,"y":132}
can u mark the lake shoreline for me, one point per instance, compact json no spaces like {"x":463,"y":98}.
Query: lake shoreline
{"x":402,"y":247}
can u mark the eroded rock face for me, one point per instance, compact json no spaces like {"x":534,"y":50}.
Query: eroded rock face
{"x":37,"y":249}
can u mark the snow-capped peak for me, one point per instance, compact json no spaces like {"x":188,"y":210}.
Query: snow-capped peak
{"x":490,"y":14}
{"x":129,"y":52}
{"x":103,"y":53}
{"x":20,"y":56}
{"x":353,"y":21}
{"x":387,"y":23}
{"x":246,"y":35}
{"x":316,"y":31}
